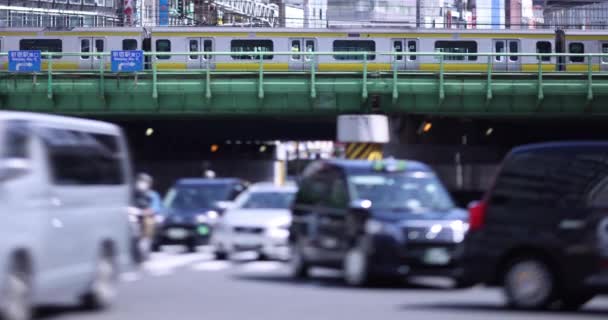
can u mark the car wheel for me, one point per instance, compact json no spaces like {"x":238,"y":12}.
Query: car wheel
{"x":356,"y":267}
{"x":16,"y":292}
{"x":103,"y":285}
{"x":298,"y":268}
{"x":529,"y":284}
{"x":575,"y":301}
{"x":220,"y":255}
{"x":191,"y":248}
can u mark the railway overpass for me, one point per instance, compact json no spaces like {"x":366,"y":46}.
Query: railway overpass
{"x":259,"y":89}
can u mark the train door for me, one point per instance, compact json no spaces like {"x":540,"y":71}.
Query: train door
{"x":199,"y":45}
{"x":301,"y":61}
{"x":507,"y":63}
{"x":604,"y":60}
{"x":405,"y":46}
{"x":92,"y":45}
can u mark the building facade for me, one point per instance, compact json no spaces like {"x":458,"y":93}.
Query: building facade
{"x":60,"y":13}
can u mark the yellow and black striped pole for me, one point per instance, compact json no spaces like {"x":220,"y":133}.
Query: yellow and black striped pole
{"x":364,"y":151}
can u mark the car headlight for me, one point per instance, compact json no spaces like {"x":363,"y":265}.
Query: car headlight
{"x":213,"y":215}
{"x":278,"y":232}
{"x":201,"y":218}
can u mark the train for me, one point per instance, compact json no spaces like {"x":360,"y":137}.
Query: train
{"x":240,"y":42}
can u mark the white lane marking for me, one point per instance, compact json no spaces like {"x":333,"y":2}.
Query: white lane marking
{"x":261,"y":266}
{"x":212,"y":266}
{"x":130,"y":277}
{"x":162,"y":264}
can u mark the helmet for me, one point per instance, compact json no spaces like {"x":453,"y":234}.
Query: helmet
{"x":144,"y":177}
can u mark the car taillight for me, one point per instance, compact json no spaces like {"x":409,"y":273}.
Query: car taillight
{"x":477,"y":215}
{"x":604,"y":263}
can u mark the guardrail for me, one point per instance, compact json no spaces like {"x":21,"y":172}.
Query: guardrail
{"x":312,"y":61}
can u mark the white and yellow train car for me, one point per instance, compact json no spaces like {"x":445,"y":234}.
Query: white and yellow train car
{"x":588,"y":41}
{"x":84,"y":40}
{"x":351,"y":40}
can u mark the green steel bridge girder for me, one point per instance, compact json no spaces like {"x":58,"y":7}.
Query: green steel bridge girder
{"x":290,"y":94}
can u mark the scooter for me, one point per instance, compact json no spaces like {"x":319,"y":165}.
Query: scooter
{"x":140,"y":242}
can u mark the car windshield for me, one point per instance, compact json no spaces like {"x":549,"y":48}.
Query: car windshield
{"x":415,"y":192}
{"x":187,"y":198}
{"x":266,"y":200}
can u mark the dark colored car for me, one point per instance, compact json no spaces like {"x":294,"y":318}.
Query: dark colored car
{"x":192,"y":208}
{"x":541,"y":232}
{"x":374,"y":219}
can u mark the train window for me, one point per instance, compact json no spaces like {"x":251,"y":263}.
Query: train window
{"x":412,"y":47}
{"x":513,"y":48}
{"x":44,"y":45}
{"x":129,"y":44}
{"x":499,"y":47}
{"x":193,"y":47}
{"x":85,"y":47}
{"x":354,"y":46}
{"x":251,"y":46}
{"x":604,"y":51}
{"x":163,"y":45}
{"x":99,"y":44}
{"x":295,"y":47}
{"x":310,"y":47}
{"x":457,"y":47}
{"x":398,"y":48}
{"x":207,"y":47}
{"x":543,"y":47}
{"x":577,"y":47}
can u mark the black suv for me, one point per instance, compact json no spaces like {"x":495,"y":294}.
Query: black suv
{"x":387,"y":218}
{"x":192,"y":208}
{"x":541,"y":232}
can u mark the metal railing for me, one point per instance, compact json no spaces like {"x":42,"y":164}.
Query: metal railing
{"x":310,"y":62}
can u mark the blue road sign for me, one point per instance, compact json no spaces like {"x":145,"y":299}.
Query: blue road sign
{"x":127,"y":60}
{"x":24,"y":61}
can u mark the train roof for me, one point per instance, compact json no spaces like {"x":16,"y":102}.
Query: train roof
{"x":345,"y":30}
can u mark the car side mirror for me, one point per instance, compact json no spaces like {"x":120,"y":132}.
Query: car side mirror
{"x":13,"y":168}
{"x":473,"y":204}
{"x":224,"y":205}
{"x":360,"y":206}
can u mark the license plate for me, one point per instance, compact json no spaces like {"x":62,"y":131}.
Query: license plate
{"x":177,"y":233}
{"x":436,"y":256}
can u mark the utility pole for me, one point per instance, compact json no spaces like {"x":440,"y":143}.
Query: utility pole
{"x":306,"y":14}
{"x":418,"y":13}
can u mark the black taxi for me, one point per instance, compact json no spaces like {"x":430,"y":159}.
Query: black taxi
{"x":374,"y":219}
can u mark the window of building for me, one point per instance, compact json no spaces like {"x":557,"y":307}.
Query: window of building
{"x":163,"y":45}
{"x":251,"y":46}
{"x":457,"y":47}
{"x":543,"y":47}
{"x":85,"y":47}
{"x":44,"y":45}
{"x":129,"y":44}
{"x":577,"y":47}
{"x":354,"y":46}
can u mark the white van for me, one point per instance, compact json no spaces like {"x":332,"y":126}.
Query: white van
{"x":65,"y":186}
